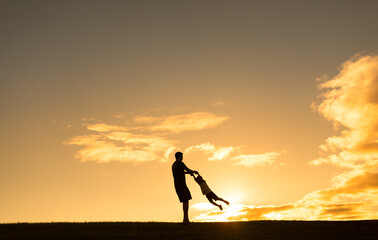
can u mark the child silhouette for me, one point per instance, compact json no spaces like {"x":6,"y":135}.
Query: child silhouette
{"x":211,"y":196}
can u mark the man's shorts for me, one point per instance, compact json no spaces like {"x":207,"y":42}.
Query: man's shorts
{"x":183,"y":193}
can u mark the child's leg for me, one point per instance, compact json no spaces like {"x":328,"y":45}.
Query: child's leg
{"x":221,"y":199}
{"x":214,"y":203}
{"x":216,"y":198}
{"x":210,"y":196}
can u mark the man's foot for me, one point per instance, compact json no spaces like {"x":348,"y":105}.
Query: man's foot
{"x":220,"y":207}
{"x":227,"y":202}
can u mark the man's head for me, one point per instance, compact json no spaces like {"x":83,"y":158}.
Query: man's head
{"x":178,"y":156}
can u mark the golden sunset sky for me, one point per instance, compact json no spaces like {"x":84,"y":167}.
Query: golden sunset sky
{"x":275,"y":103}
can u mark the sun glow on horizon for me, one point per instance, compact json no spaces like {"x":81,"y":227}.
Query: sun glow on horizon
{"x":233,"y":210}
{"x":273,"y":216}
{"x":234,"y":198}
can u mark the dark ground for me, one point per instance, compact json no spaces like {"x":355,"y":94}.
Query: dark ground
{"x":233,"y":230}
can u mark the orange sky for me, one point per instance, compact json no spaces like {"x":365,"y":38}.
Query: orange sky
{"x":276,"y":105}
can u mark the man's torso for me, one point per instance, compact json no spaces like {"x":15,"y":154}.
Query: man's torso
{"x":178,"y":172}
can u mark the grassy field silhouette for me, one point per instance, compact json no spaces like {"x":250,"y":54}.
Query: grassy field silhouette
{"x":158,"y":230}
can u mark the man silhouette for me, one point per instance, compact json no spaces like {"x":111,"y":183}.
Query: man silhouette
{"x":179,"y":169}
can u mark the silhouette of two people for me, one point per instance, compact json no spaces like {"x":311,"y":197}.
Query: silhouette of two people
{"x":179,"y":169}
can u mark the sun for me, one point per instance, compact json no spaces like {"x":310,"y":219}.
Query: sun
{"x":234,"y":198}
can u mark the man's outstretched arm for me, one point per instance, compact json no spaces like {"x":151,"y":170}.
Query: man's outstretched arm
{"x":189,"y":171}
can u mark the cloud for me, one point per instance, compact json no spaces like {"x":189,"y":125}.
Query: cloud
{"x":347,"y":211}
{"x":222,"y":153}
{"x":217,"y":153}
{"x":256,"y":160}
{"x":350,"y":102}
{"x":114,"y":143}
{"x":259,"y":212}
{"x":143,"y":142}
{"x":122,"y":147}
{"x":362,"y":182}
{"x":102,"y":127}
{"x":217,"y":104}
{"x":183,"y":122}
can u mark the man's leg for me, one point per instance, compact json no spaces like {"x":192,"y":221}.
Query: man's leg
{"x":185,"y":208}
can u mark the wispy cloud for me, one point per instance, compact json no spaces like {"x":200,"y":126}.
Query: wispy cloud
{"x":121,"y":146}
{"x":350,"y":102}
{"x":256,"y":160}
{"x":216,"y":153}
{"x":183,"y":122}
{"x":102,"y":127}
{"x":217,"y":104}
{"x":144,"y":141}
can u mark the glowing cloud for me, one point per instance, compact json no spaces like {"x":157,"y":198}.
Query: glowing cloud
{"x":102,"y":127}
{"x":256,"y":160}
{"x":222,"y":153}
{"x":351,"y":101}
{"x":218,"y":153}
